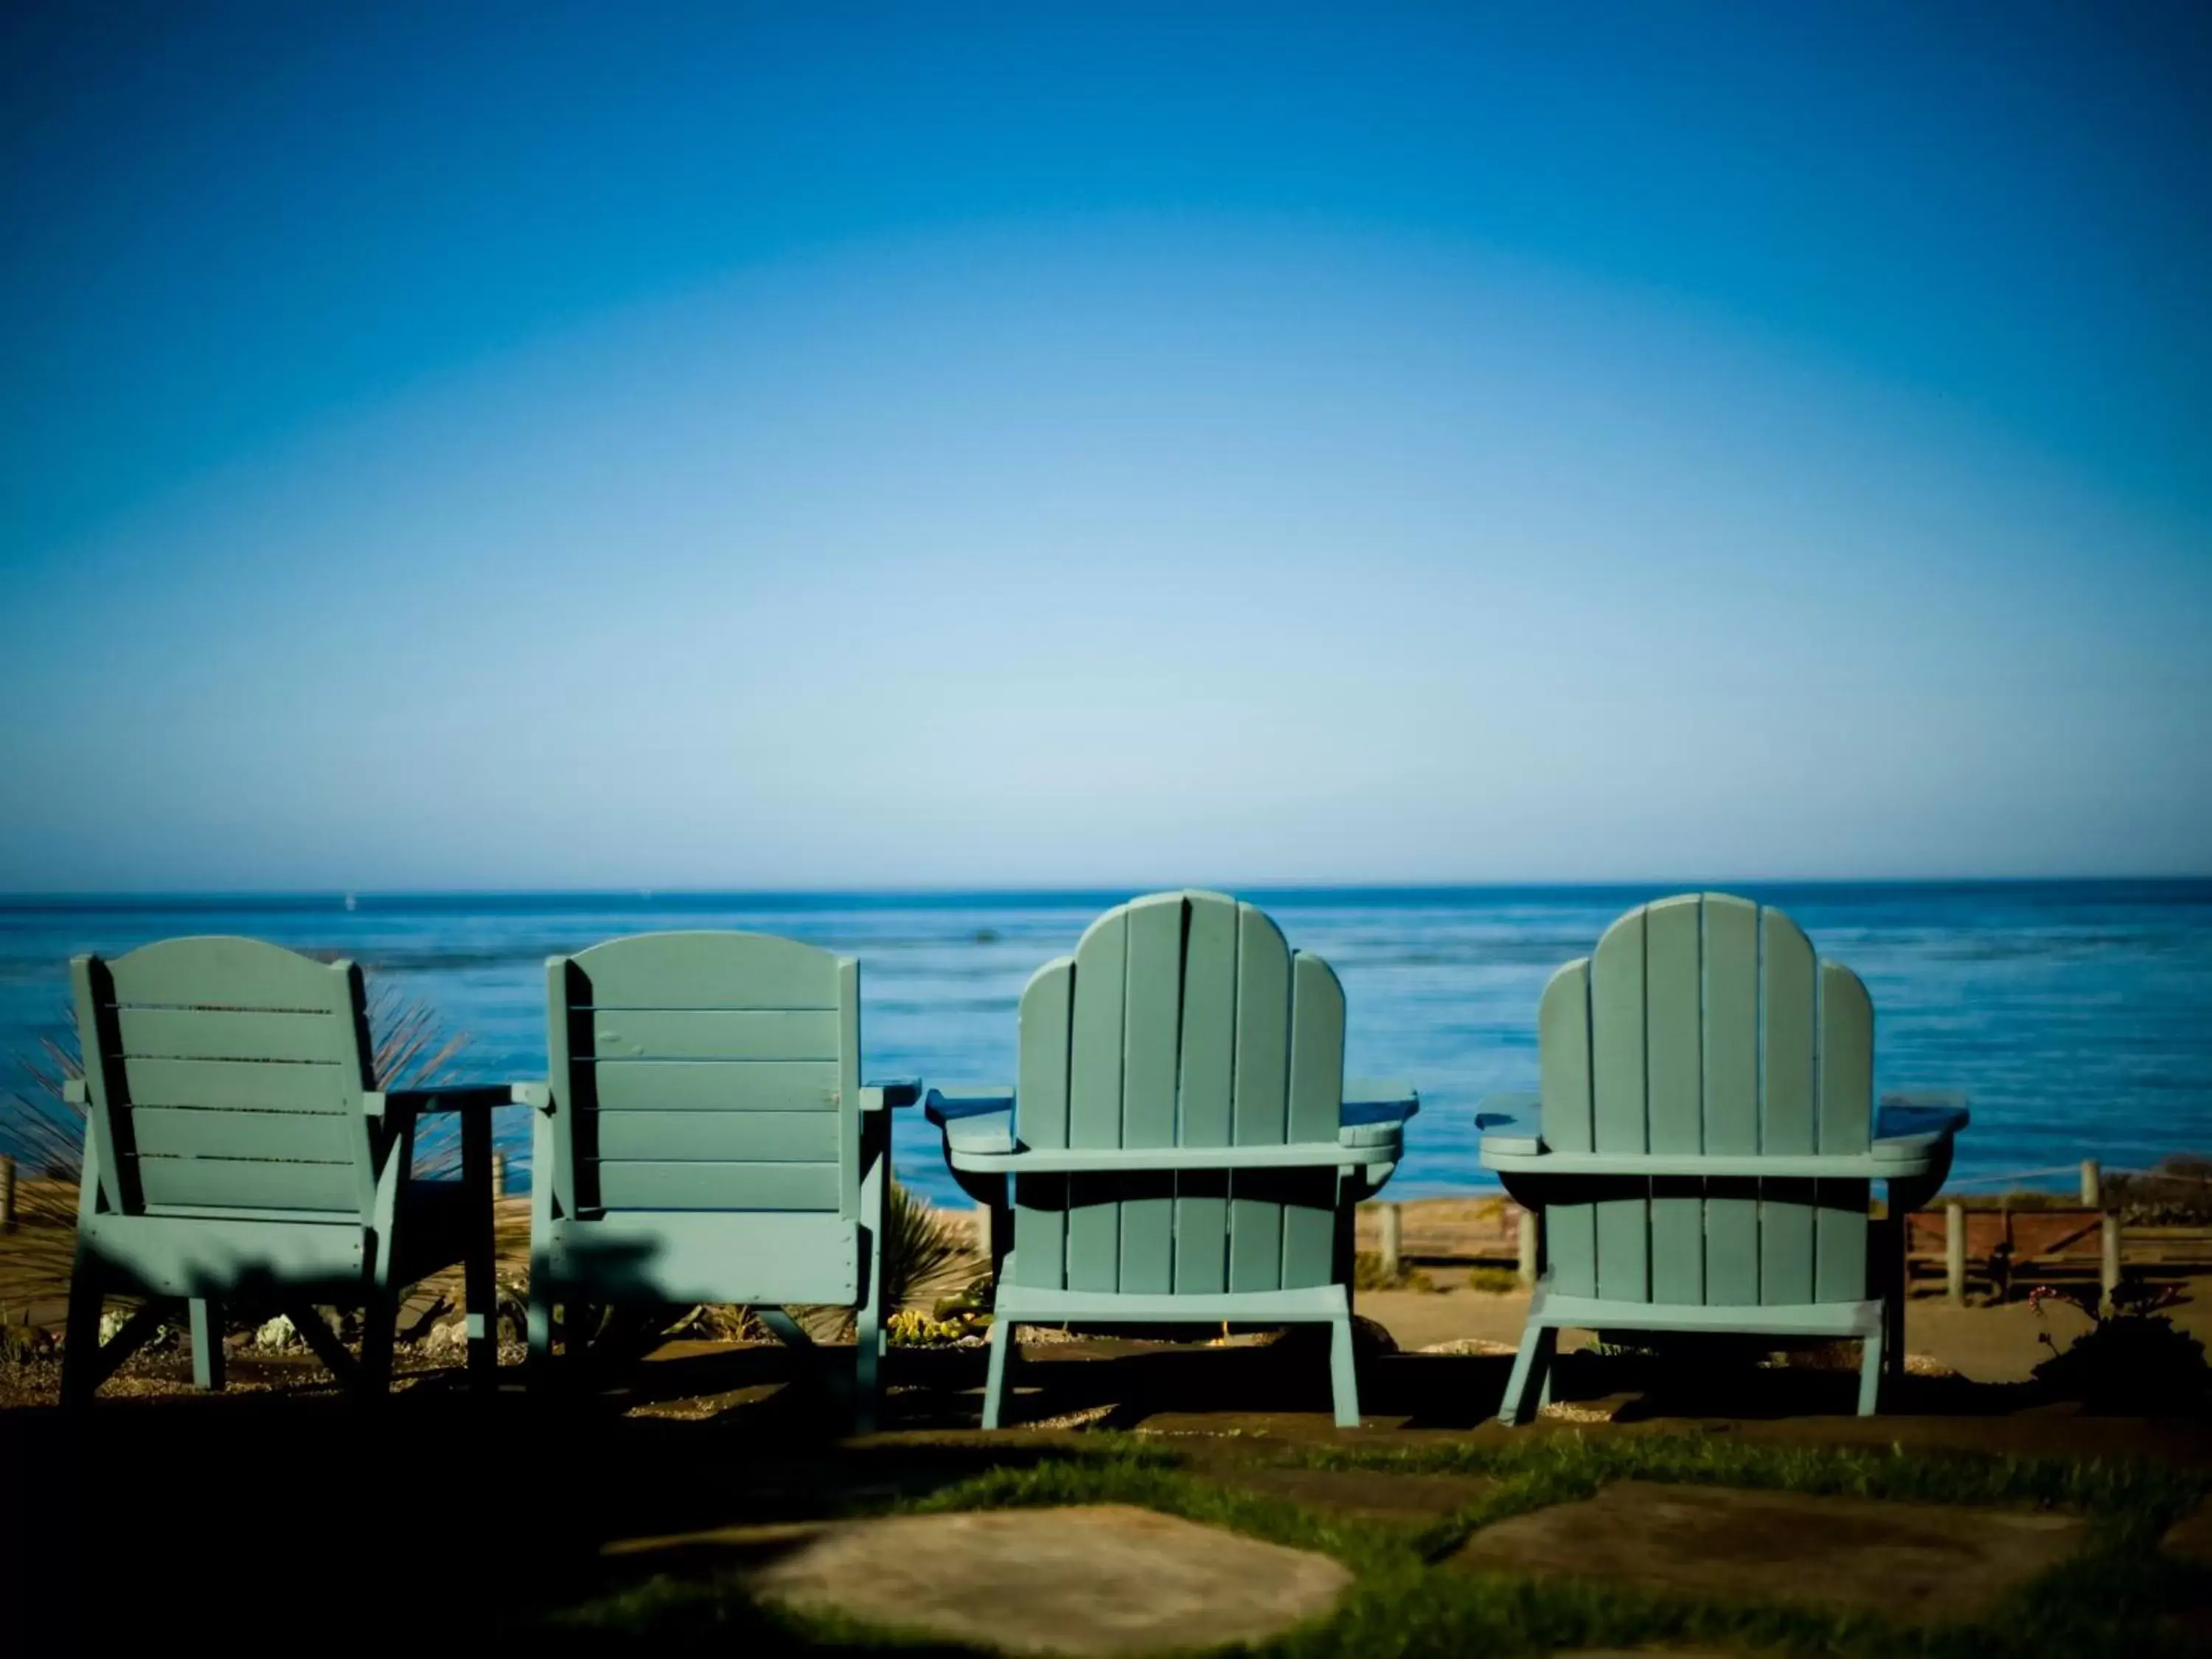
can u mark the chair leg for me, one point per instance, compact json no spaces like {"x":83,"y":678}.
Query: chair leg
{"x":1532,"y":1370}
{"x":867,"y":1359}
{"x":1893,"y":1357}
{"x":207,"y":1343}
{"x":1870,"y":1369}
{"x":1343,"y":1375}
{"x":867,"y":1322}
{"x":539,"y":1366}
{"x":994,"y":1381}
{"x":81,"y":1369}
{"x":787,"y":1330}
{"x":479,"y":1275}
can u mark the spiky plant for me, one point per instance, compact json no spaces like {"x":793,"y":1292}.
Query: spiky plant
{"x":927,"y":1254}
{"x":410,"y":1048}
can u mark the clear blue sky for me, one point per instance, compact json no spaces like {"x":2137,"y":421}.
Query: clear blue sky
{"x":759,"y":445}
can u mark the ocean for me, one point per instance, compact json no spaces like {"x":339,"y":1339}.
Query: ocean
{"x":2076,"y":1016}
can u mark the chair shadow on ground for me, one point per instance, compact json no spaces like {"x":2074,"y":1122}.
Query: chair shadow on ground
{"x":438,"y":1510}
{"x":435,"y":1512}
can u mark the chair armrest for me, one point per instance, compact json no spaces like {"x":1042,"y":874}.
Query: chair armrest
{"x":538,"y":1097}
{"x":1384,"y":1131}
{"x":1017,"y":1159}
{"x":1510,"y":1124}
{"x":978,"y":1123}
{"x":972,"y":1132}
{"x":75,"y":1092}
{"x":948,"y":1101}
{"x":898,"y":1091}
{"x":1369,"y":1100}
{"x":1908,"y":1125}
{"x":464,"y":1097}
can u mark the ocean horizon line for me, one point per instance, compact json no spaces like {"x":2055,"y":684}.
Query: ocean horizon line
{"x":924,"y":896}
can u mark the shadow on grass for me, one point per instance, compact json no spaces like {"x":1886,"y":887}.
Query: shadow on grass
{"x":442,"y":1514}
{"x":435,"y":1511}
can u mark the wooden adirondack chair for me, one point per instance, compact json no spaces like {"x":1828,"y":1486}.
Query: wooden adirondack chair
{"x":237,"y":1150}
{"x":1702,"y":1149}
{"x":704,"y":1137}
{"x":1181,"y":1147}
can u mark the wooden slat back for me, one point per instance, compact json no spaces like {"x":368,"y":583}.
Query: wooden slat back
{"x":1562,"y":1046}
{"x":1042,"y":1087}
{"x":1731,"y":1064}
{"x":228,"y":1074}
{"x":1260,"y":1090}
{"x":705,"y":1071}
{"x":1704,"y":1023}
{"x":1184,"y":1019}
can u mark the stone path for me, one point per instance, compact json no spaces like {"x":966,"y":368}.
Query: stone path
{"x":1087,"y":1579}
{"x":2191,"y":1537}
{"x":1906,"y":1561}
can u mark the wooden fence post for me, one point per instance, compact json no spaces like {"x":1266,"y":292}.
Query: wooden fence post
{"x":2109,"y":1267}
{"x":984,"y":1232}
{"x":1954,"y":1252}
{"x":2092,"y":1185}
{"x":1527,"y":1263}
{"x":1393,"y":1238}
{"x":7,"y":1191}
{"x":498,"y":1176}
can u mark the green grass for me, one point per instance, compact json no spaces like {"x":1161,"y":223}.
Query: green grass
{"x":2108,"y":1601}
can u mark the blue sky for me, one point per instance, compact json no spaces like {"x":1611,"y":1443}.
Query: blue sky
{"x":758,"y":446}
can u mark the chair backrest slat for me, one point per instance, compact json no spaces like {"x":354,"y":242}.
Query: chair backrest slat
{"x":228,"y":1074}
{"x":705,"y":1071}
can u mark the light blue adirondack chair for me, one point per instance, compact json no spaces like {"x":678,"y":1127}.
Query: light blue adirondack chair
{"x":1702,"y":1149}
{"x":704,"y":1138}
{"x":1182,"y":1145}
{"x":237,"y":1150}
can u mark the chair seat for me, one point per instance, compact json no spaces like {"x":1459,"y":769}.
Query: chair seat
{"x":737,"y":1256}
{"x":227,"y":1256}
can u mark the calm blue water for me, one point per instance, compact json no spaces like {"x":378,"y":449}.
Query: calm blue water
{"x":2078,"y":1015}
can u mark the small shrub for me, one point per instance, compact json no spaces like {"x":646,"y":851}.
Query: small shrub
{"x":2132,"y":1358}
{"x":1494,"y":1281}
{"x":2178,"y":1193}
{"x":910,"y":1327}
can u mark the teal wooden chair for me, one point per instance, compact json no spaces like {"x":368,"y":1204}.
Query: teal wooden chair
{"x":704,"y":1138}
{"x":237,"y":1151}
{"x":1702,"y":1150}
{"x":1180,"y":1146}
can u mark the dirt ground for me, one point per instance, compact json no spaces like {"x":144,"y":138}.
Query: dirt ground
{"x":1446,"y":1241}
{"x":2000,"y":1344}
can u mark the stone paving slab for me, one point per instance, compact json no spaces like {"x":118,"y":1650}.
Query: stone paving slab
{"x":2191,"y":1537}
{"x":1908,"y":1561}
{"x":1084,"y":1579}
